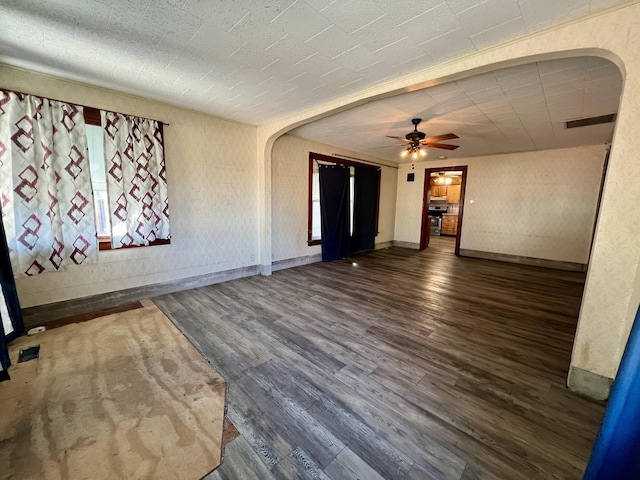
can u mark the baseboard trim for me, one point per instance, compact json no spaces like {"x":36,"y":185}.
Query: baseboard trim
{"x":537,"y":262}
{"x":42,"y":314}
{"x":412,"y":245}
{"x":589,"y":384}
{"x":296,"y":262}
{"x":381,"y":245}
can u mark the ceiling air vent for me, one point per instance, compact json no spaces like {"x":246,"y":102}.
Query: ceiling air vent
{"x":584,"y":122}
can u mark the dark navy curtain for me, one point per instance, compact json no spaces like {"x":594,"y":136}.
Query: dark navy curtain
{"x":616,"y":452}
{"x":365,"y":204}
{"x":334,"y":211}
{"x":11,"y":300}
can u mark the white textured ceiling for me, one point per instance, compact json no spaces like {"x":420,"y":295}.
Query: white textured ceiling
{"x":256,"y":60}
{"x":515,"y":109}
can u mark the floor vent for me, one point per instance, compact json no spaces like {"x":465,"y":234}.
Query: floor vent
{"x":584,"y":122}
{"x":30,"y":353}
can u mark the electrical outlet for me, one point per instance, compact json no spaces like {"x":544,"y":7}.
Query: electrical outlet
{"x":253,"y":257}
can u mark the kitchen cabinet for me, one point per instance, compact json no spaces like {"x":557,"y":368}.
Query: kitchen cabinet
{"x":449,"y":225}
{"x":439,"y":191}
{"x":453,"y":193}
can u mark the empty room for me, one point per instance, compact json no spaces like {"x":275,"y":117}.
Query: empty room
{"x":320,"y":239}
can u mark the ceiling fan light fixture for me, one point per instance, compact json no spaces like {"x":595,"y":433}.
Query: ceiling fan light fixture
{"x":417,"y":142}
{"x":442,"y":179}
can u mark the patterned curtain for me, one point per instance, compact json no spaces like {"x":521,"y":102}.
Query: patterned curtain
{"x":45,"y":184}
{"x":136,"y":180}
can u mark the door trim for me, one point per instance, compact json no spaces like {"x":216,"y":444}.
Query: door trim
{"x":425,"y":230}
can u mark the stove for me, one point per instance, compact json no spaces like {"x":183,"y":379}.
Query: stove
{"x":438,"y":205}
{"x":437,"y":208}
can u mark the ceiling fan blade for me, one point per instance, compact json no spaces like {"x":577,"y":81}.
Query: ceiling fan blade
{"x":437,"y":138}
{"x":387,"y":146}
{"x":398,"y":138}
{"x":441,"y":145}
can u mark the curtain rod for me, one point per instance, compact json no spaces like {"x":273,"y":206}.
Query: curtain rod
{"x":363,"y":161}
{"x":17,"y":92}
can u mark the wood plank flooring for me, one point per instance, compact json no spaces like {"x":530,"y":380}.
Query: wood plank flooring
{"x":396,"y":364}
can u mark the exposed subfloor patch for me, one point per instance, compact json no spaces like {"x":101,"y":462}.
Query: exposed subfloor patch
{"x":120,"y":396}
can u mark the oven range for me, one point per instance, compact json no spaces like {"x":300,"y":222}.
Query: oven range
{"x":437,"y":208}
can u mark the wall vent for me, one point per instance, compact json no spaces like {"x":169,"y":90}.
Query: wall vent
{"x":584,"y":122}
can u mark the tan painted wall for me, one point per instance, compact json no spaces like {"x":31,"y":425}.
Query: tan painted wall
{"x":533,"y":204}
{"x":290,"y":193}
{"x":213,"y":198}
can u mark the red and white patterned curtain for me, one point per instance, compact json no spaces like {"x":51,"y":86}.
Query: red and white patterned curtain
{"x":45,"y":184}
{"x":136,"y":179}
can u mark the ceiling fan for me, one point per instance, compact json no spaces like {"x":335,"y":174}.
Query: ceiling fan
{"x":417,"y":139}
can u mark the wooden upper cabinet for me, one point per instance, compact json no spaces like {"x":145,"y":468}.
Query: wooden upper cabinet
{"x":456,"y":180}
{"x":438,"y":190}
{"x":453,"y":193}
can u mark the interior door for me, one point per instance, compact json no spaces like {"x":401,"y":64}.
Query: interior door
{"x":425,"y":227}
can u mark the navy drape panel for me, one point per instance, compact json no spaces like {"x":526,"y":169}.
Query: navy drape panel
{"x":334,"y":212}
{"x":365,"y":203}
{"x":616,"y":451}
{"x":11,"y":299}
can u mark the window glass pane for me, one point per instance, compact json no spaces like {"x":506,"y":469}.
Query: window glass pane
{"x":316,"y":229}
{"x":98,"y":180}
{"x":315,"y":206}
{"x":103,"y":224}
{"x":96,"y":155}
{"x":352,"y":171}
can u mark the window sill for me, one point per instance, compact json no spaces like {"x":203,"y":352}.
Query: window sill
{"x":105,"y":244}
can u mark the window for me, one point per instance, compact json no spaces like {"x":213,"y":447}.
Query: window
{"x":314,"y":230}
{"x":99,"y":182}
{"x":315,"y":199}
{"x":97,"y":165}
{"x":315,"y":208}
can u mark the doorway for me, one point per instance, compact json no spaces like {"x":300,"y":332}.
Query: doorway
{"x":443,"y":204}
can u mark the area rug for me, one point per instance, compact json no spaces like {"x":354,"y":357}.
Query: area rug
{"x":120,"y":396}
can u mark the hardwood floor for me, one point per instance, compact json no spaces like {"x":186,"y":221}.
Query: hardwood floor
{"x":396,"y":364}
{"x":443,"y":243}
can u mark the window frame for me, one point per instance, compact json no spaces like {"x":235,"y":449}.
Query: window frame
{"x":92,"y":117}
{"x":338,"y":161}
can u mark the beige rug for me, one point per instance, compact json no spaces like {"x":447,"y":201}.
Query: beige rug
{"x":117,"y":397}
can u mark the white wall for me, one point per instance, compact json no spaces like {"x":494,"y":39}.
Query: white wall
{"x":289,"y":197}
{"x":213,"y":198}
{"x":533,"y":204}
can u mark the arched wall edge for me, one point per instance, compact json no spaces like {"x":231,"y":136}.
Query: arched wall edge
{"x":598,"y":344}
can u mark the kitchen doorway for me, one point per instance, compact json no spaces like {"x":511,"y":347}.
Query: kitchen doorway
{"x":442,"y":206}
